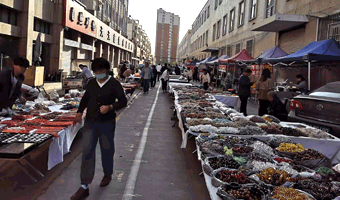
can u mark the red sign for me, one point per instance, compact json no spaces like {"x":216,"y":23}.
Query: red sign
{"x":257,"y":69}
{"x":77,"y":18}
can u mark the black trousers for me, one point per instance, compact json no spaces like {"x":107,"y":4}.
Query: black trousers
{"x":263,"y":109}
{"x":244,"y":102}
{"x":164,"y":85}
{"x":159,"y":74}
{"x":205,"y":85}
{"x":153,"y":82}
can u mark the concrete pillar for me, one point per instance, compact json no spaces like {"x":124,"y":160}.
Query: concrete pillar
{"x":99,"y":49}
{"x":26,"y":22}
{"x":116,"y":56}
{"x":112,"y":54}
{"x":93,"y":49}
{"x":106,"y":51}
{"x":78,"y":37}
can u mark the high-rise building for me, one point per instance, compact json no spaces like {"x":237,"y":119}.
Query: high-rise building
{"x":166,"y":37}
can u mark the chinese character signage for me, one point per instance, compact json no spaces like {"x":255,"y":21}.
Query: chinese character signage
{"x":257,"y":69}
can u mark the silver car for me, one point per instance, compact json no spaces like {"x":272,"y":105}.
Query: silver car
{"x":320,"y":109}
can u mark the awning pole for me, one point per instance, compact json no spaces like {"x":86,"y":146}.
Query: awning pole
{"x":2,"y":56}
{"x":309,"y":75}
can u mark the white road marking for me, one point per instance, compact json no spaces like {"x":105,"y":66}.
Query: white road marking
{"x":131,"y":182}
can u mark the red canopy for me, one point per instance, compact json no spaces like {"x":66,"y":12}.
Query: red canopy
{"x":242,"y":56}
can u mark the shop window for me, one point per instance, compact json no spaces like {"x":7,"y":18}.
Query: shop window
{"x":42,"y":26}
{"x":8,"y":16}
{"x":241,"y":14}
{"x":250,"y":46}
{"x":232,"y":20}
{"x":214,"y":32}
{"x":238,"y":48}
{"x":253,"y":9}
{"x":270,"y":8}
{"x":224,"y":28}
{"x":229,"y":51}
{"x":218,"y":29}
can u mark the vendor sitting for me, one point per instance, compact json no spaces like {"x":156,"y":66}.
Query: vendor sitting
{"x":276,"y":107}
{"x":301,"y":83}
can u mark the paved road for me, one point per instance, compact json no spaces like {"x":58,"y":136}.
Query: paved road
{"x":165,"y":171}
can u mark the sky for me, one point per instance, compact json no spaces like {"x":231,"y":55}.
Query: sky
{"x":146,"y":12}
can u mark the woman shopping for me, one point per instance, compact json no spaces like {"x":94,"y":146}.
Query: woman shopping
{"x":165,"y":79}
{"x":276,"y":107}
{"x":263,"y":86}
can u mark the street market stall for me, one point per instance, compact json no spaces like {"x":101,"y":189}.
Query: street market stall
{"x":257,"y":157}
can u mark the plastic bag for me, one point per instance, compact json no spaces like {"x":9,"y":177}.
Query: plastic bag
{"x":54,"y":96}
{"x":222,"y":191}
{"x":271,"y":118}
{"x":40,"y":99}
{"x":217,"y":182}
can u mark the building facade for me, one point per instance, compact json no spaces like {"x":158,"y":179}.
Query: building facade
{"x":167,"y":32}
{"x":226,"y":27}
{"x":70,"y":35}
{"x":141,"y":41}
{"x":113,"y":13}
{"x":183,"y":50}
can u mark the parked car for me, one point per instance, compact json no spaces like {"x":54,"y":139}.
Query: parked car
{"x":320,"y":109}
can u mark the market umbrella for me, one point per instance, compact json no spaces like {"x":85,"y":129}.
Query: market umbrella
{"x":37,"y":51}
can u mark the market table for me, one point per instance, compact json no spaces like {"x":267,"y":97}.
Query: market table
{"x":171,"y":84}
{"x":231,"y":101}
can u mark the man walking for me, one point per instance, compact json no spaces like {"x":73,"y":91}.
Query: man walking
{"x":86,"y":74}
{"x":159,"y":68}
{"x":244,"y":90}
{"x":100,"y":99}
{"x":146,"y":75}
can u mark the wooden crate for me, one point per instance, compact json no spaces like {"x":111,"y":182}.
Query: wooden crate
{"x":34,"y":76}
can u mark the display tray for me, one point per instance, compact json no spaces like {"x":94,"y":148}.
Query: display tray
{"x":16,"y":150}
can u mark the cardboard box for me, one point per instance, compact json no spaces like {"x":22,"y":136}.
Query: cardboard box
{"x":34,"y":76}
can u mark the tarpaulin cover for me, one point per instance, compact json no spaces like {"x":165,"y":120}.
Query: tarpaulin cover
{"x":325,"y":50}
{"x":217,"y":59}
{"x":274,"y":52}
{"x":242,"y":56}
{"x":205,"y":60}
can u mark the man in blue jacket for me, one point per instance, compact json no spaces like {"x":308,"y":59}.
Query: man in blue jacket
{"x":244,"y":90}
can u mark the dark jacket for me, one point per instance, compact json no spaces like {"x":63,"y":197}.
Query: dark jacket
{"x":244,"y":86}
{"x":95,"y":97}
{"x":278,"y":109}
{"x":177,"y":70}
{"x":163,"y":69}
{"x":6,"y":87}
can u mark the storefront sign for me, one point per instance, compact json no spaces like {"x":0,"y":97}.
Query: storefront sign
{"x":257,"y":69}
{"x":77,"y":18}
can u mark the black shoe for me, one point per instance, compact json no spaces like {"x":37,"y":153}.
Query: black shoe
{"x":81,"y":194}
{"x":106,"y":180}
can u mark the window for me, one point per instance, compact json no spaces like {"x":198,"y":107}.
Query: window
{"x":208,"y":12}
{"x":241,"y":14}
{"x":206,"y":38}
{"x":270,"y":8}
{"x":205,"y":15}
{"x":203,"y":40}
{"x":224,"y":28}
{"x":238,"y":48}
{"x":214,"y":32}
{"x":334,"y":31}
{"x":220,"y":2}
{"x":41,"y":26}
{"x":216,"y":4}
{"x":250,"y":47}
{"x":253,"y":9}
{"x":232,"y":20}
{"x":229,"y":51}
{"x":218,"y":29}
{"x":8,"y":16}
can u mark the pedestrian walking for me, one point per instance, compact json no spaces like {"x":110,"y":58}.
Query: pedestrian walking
{"x":190,"y":74}
{"x":153,"y":76}
{"x":244,"y":90}
{"x":165,"y":78}
{"x":146,"y":75}
{"x":205,"y":78}
{"x":263,"y":86}
{"x":159,"y":73}
{"x":121,"y":71}
{"x":103,"y":97}
{"x":86,"y":74}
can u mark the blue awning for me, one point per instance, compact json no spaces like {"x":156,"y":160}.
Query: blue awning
{"x":326,"y":50}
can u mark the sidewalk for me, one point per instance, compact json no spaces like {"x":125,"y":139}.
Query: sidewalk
{"x":166,"y":171}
